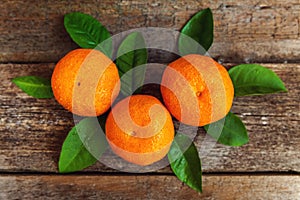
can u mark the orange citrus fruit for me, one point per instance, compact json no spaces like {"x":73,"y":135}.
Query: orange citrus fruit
{"x":197,"y":90}
{"x":140,"y":129}
{"x":85,"y":82}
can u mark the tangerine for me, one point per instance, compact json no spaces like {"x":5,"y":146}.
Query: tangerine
{"x":197,"y":90}
{"x":85,"y":82}
{"x":140,"y":129}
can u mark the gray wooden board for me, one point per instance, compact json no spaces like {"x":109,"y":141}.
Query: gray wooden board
{"x":148,"y":187}
{"x":33,"y":130}
{"x":245,"y":31}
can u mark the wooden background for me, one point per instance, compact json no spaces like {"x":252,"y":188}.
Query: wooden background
{"x":33,"y":39}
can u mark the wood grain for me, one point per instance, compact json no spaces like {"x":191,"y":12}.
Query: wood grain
{"x":147,"y":187}
{"x":33,"y":130}
{"x":245,"y":31}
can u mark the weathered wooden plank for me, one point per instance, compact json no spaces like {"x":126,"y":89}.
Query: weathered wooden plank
{"x":252,"y":31}
{"x":32,"y":130}
{"x":147,"y":187}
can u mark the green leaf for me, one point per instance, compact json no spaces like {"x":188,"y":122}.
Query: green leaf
{"x":88,"y":32}
{"x":231,"y":132}
{"x":84,"y":142}
{"x":185,"y":162}
{"x":131,"y":57}
{"x":34,"y":86}
{"x":253,"y":79}
{"x":197,"y":35}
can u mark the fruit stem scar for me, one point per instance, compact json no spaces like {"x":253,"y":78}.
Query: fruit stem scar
{"x":78,"y":84}
{"x":200,"y":90}
{"x":133,"y":133}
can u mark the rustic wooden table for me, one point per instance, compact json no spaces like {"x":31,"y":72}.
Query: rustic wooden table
{"x":32,"y":131}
